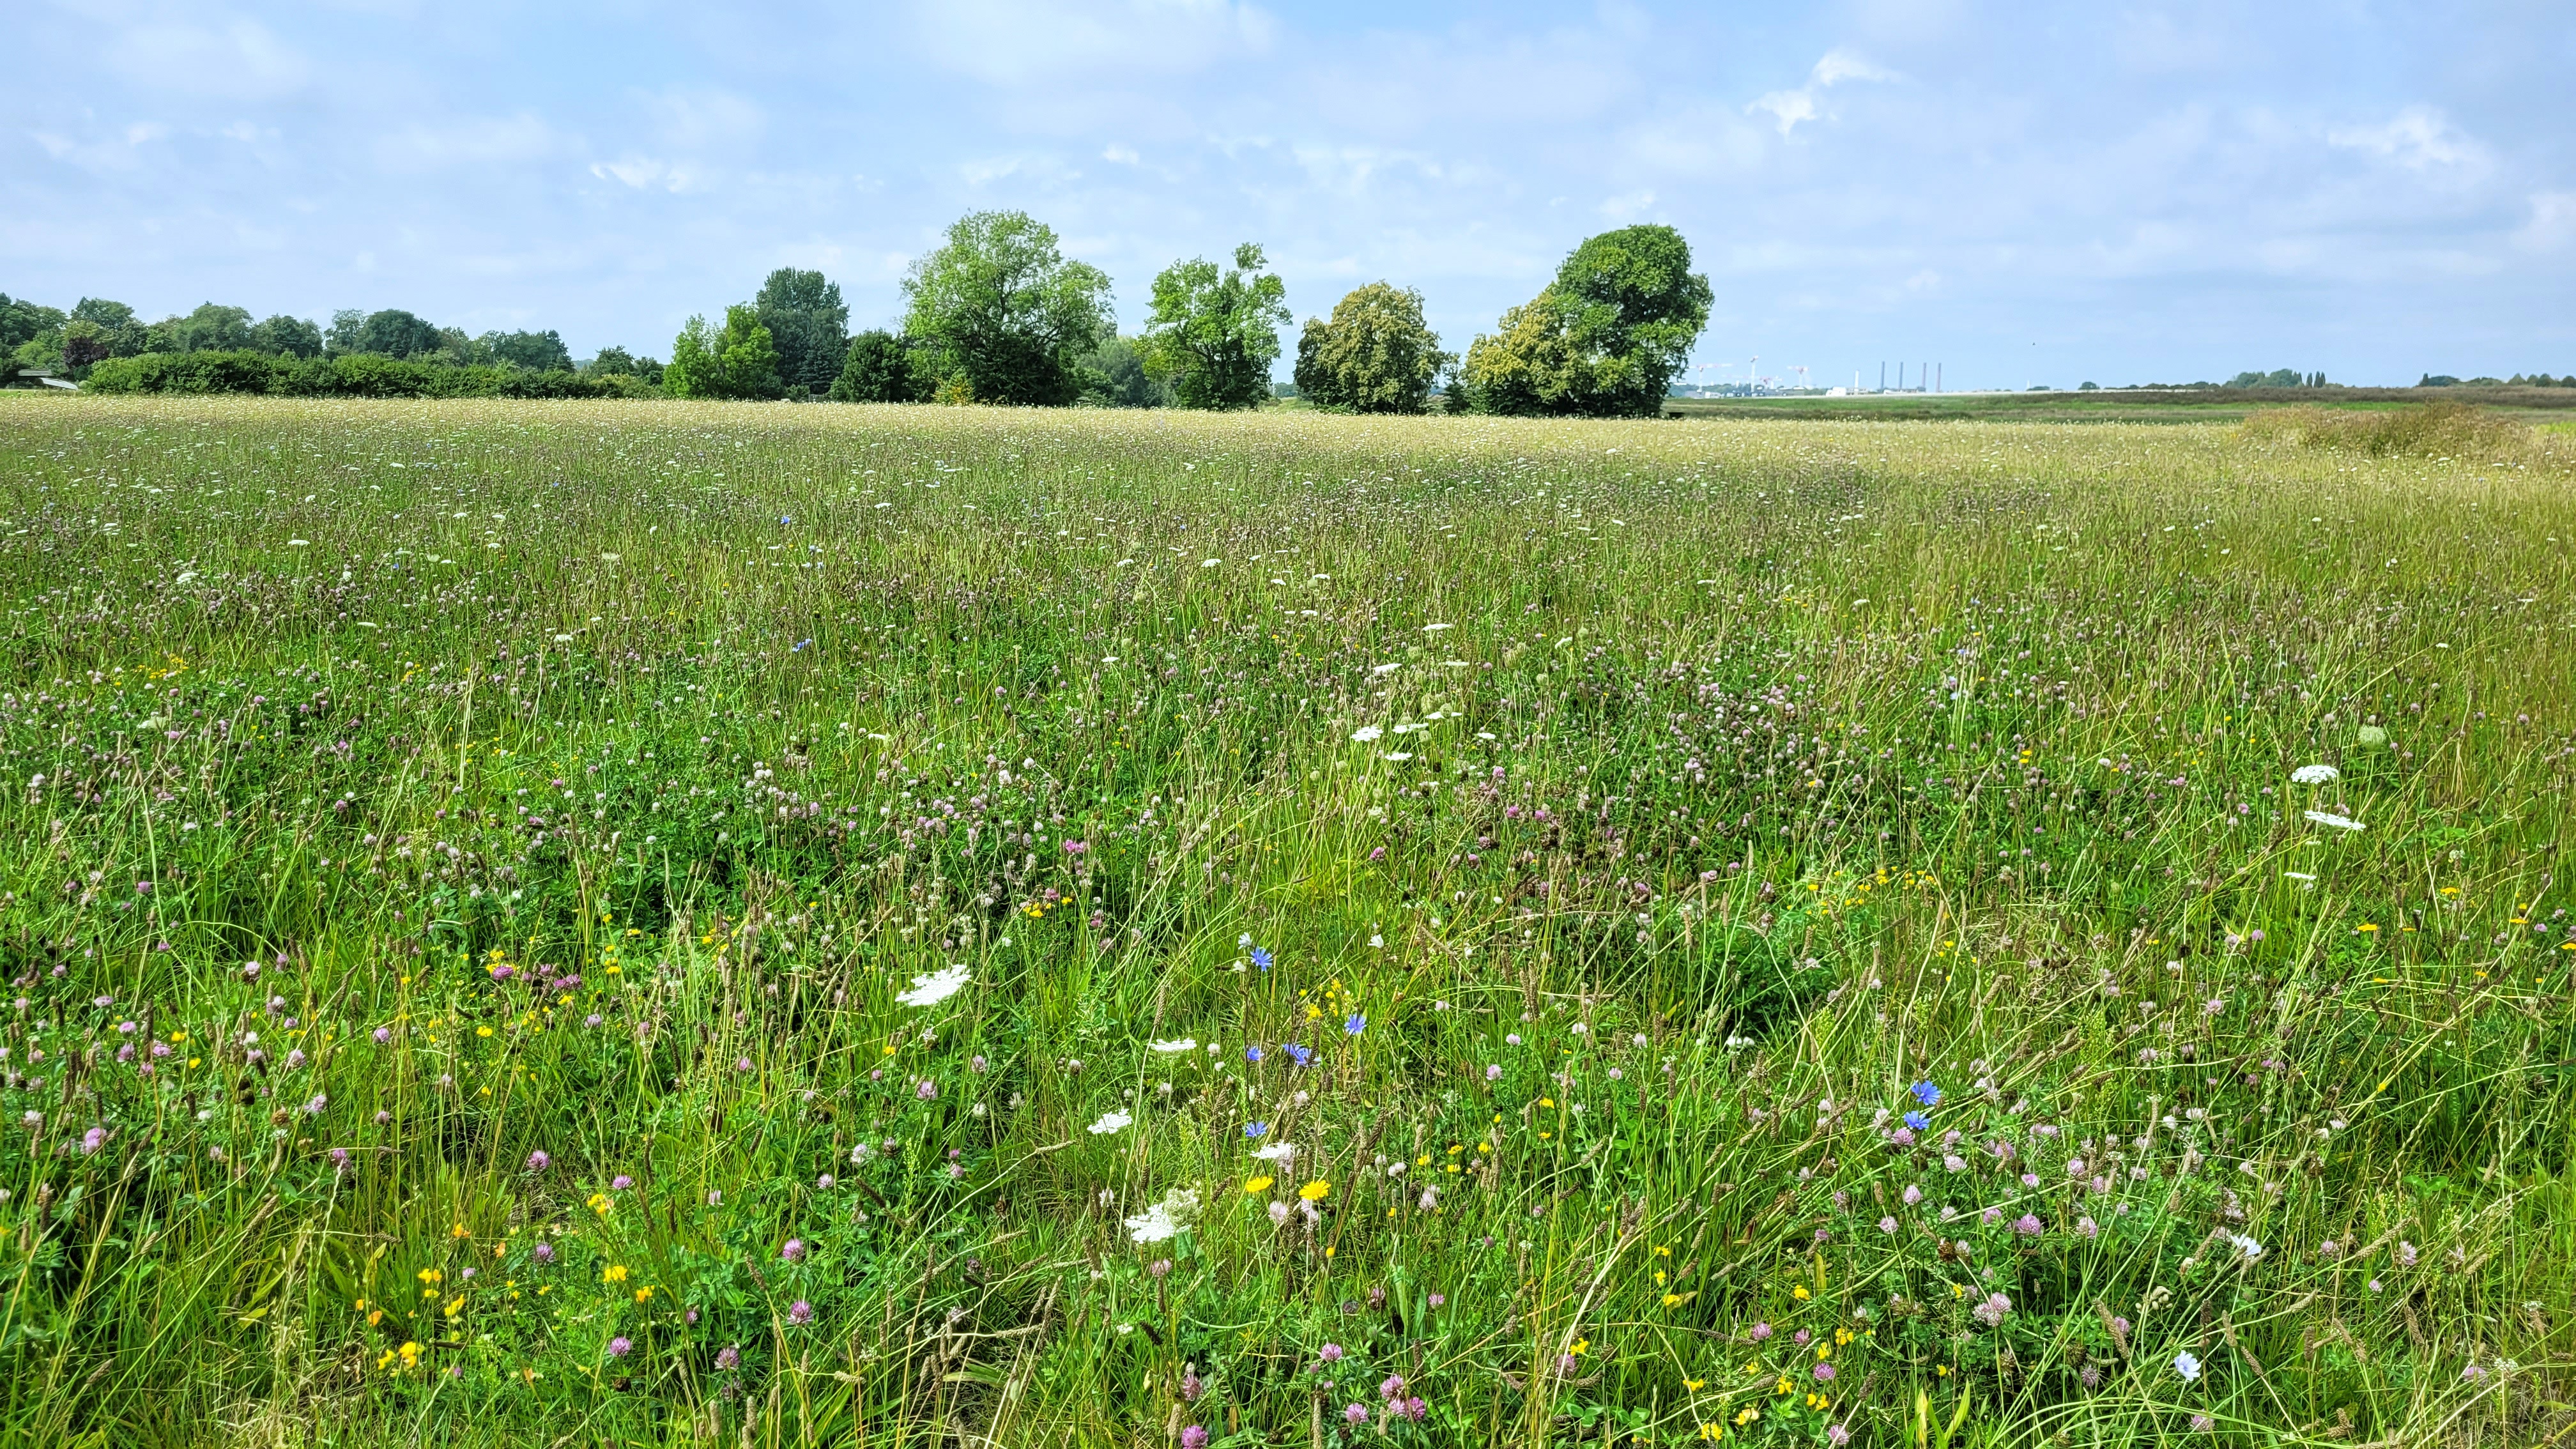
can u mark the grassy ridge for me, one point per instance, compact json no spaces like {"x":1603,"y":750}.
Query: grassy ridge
{"x":633,"y":923}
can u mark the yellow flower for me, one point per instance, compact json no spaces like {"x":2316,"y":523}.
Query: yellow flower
{"x":455,"y":1305}
{"x":1315,"y":1191}
{"x":614,"y":1273}
{"x":1256,"y":1183}
{"x":644,"y":1295}
{"x":1694,"y":1385}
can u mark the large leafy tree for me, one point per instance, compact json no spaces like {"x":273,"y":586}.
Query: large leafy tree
{"x":810,"y":324}
{"x":1214,"y":332}
{"x":877,"y":367}
{"x":1376,"y":354}
{"x":1605,"y":338}
{"x":21,"y":321}
{"x":1114,"y":376}
{"x":1003,"y":313}
{"x":286,"y":337}
{"x":389,"y":333}
{"x":535,"y":351}
{"x":211,"y":328}
{"x":738,"y":362}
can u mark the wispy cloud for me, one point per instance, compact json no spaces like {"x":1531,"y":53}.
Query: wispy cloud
{"x":2419,"y":138}
{"x":1806,"y":103}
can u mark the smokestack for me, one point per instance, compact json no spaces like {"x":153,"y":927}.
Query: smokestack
{"x":1882,"y":377}
{"x":1937,"y":370}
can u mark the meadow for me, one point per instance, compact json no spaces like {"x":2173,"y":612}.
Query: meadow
{"x":636,"y":923}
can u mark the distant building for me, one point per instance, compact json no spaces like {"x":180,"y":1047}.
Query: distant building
{"x":35,"y":377}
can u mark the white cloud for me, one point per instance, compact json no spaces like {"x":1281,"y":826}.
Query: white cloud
{"x":119,"y":151}
{"x":477,"y":141}
{"x":1788,"y":108}
{"x":2419,"y":138}
{"x":1011,"y":42}
{"x":1123,"y":155}
{"x":646,"y":173}
{"x":2552,"y":224}
{"x":1629,"y":207}
{"x":701,"y":118}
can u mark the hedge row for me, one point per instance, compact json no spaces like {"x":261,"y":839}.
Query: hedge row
{"x":352,"y":376}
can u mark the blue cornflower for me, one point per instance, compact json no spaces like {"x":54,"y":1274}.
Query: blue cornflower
{"x":1302,"y":1055}
{"x":787,"y":518}
{"x":1252,"y":1054}
{"x":1927,"y":1094}
{"x":1356,"y":1024}
{"x":1918,"y":1121}
{"x":1261,"y":958}
{"x":1255,"y":1129}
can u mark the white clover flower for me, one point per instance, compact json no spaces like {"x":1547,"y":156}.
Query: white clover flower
{"x":934,"y":988}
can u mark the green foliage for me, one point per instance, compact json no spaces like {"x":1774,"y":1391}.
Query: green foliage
{"x":1214,"y":332}
{"x":809,"y":323}
{"x":286,"y":336}
{"x":999,"y":307}
{"x":356,"y":375}
{"x":878,"y":367}
{"x":1529,"y":366}
{"x":21,"y":321}
{"x":534,"y":351}
{"x":1376,"y":355}
{"x":388,"y":333}
{"x":2279,"y":377}
{"x":1605,"y":339}
{"x":740,"y":363}
{"x":210,"y":328}
{"x":1114,"y":376}
{"x":618,"y":362}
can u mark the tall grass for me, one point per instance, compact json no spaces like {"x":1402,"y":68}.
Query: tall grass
{"x":470,"y":861}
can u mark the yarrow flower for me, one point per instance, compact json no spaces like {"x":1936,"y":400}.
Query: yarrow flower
{"x":2315,"y":775}
{"x":1111,"y":1122}
{"x":934,"y":988}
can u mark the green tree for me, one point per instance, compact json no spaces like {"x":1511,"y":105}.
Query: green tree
{"x":1114,"y":376}
{"x":877,"y":367}
{"x":285,"y":336}
{"x":389,"y":333}
{"x":1214,"y":333}
{"x":810,"y":323}
{"x":1530,"y":365}
{"x":1376,"y":355}
{"x":535,"y":351}
{"x":21,"y":320}
{"x":211,"y":328}
{"x":739,"y":362}
{"x":999,"y":307}
{"x":1605,"y":338}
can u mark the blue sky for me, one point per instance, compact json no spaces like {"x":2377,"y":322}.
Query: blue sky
{"x":2116,"y":192}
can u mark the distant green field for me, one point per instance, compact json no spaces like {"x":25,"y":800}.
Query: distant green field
{"x":586,"y":923}
{"x":2197,"y":406}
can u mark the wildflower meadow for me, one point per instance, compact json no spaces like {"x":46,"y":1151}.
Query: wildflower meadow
{"x":589,"y":923}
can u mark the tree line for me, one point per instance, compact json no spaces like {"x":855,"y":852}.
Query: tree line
{"x":996,"y":314}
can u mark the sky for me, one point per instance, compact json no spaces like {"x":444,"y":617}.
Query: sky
{"x":2120,"y":192}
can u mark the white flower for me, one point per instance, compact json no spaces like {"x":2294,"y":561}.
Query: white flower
{"x":1436,"y":628}
{"x":2315,"y":775}
{"x":2187,"y":1366}
{"x":1399,"y":756}
{"x":1166,"y":1219}
{"x":1366,"y":734}
{"x":2246,"y":1245}
{"x":1111,"y":1122}
{"x":1178,"y":1044}
{"x":1208,"y":563}
{"x":1385,"y":668}
{"x":2339,"y":822}
{"x":934,"y":988}
{"x":1282,"y":1153}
